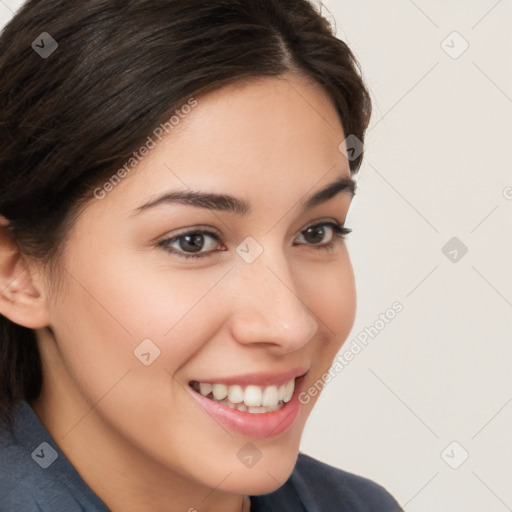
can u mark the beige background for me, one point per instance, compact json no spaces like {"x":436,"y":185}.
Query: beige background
{"x":433,"y":386}
{"x":438,"y":161}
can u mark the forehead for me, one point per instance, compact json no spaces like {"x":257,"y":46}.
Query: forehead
{"x":268,"y":134}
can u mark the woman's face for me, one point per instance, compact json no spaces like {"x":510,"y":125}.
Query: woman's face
{"x":136,"y":322}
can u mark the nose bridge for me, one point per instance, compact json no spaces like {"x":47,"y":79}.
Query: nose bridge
{"x":269,"y":307}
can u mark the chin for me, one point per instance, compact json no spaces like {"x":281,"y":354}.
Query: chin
{"x":260,"y":482}
{"x":267,"y":475}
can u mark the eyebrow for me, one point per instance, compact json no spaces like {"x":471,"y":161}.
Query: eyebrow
{"x":227,"y":203}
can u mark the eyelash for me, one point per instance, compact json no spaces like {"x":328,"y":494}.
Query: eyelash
{"x":339,"y":230}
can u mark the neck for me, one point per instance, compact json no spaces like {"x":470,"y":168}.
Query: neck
{"x":118,"y":474}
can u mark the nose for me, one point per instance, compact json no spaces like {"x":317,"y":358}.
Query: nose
{"x":267,"y":308}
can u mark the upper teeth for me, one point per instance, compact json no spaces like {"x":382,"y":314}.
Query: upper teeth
{"x":251,"y":396}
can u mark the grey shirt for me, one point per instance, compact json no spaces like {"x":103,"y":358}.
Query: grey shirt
{"x":35,"y":476}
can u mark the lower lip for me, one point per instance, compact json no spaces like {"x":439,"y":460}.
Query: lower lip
{"x":255,"y":425}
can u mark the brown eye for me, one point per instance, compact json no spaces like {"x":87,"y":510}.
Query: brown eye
{"x":193,"y":244}
{"x":317,"y":234}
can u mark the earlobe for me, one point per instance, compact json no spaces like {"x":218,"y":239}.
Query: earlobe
{"x":22,"y":298}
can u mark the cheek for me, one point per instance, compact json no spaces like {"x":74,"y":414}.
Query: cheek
{"x":104,"y":316}
{"x":330,"y":293}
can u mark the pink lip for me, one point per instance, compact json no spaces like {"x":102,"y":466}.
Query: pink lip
{"x":257,"y":426}
{"x":257,"y":379}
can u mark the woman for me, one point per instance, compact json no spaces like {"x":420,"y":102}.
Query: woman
{"x":174,"y":182}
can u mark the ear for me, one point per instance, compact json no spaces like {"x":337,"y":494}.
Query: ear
{"x":22,"y":297}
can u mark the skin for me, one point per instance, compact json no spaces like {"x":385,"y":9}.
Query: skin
{"x":133,"y":432}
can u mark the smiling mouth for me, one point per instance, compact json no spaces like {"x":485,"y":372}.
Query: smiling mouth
{"x":251,"y":399}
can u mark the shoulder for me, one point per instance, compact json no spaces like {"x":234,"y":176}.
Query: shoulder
{"x":35,"y":476}
{"x":13,"y":469}
{"x":320,"y":487}
{"x":358,"y":493}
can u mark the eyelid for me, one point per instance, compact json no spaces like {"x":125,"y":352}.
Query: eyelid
{"x":212,"y":231}
{"x":340,"y":231}
{"x":194,"y":229}
{"x":328,"y":220}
